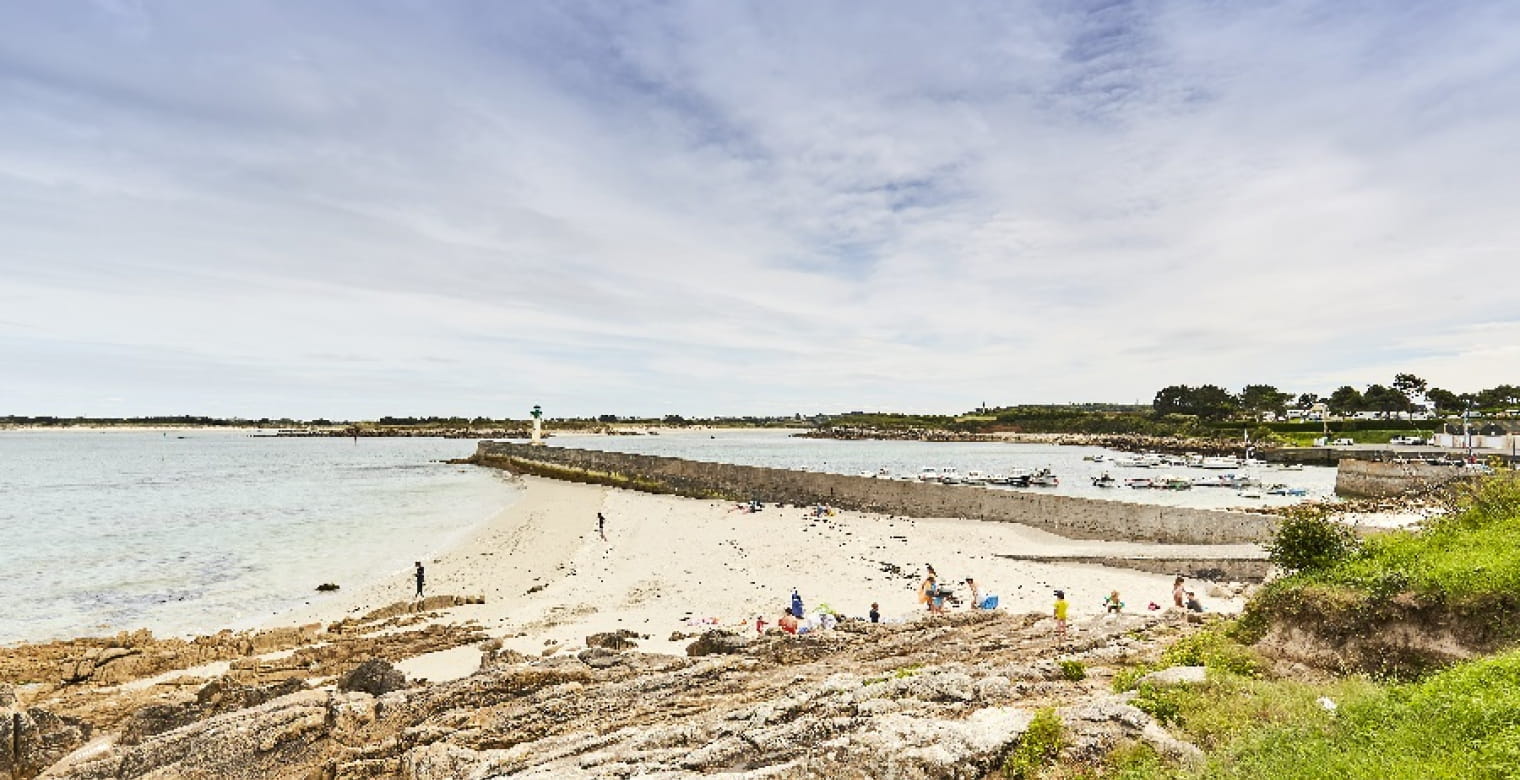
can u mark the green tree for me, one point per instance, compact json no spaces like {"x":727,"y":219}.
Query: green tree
{"x":1306,"y":400}
{"x":1384,"y":399}
{"x":1172,"y":399}
{"x":1499,"y":397}
{"x":1345,"y":400}
{"x":1264,"y":398}
{"x":1443,"y":400}
{"x":1212,"y":402}
{"x":1411,"y":386}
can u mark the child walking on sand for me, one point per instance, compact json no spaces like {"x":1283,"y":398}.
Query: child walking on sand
{"x":1060,"y":613}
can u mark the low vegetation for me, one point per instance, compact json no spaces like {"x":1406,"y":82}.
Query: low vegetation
{"x":1447,"y":720}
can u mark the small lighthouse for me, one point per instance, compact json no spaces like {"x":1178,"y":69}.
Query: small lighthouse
{"x":538,"y":426}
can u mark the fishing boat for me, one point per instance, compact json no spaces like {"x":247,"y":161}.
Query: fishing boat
{"x":1219,"y":462}
{"x":1147,"y":460}
{"x":974,"y":477}
{"x":950,"y":475}
{"x":1172,"y":483}
{"x":1139,"y":482}
{"x":1043,"y":478}
{"x":928,"y":474}
{"x":1105,"y":481}
{"x":1283,"y":490}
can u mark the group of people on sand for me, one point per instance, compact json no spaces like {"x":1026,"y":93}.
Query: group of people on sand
{"x":933,"y":594}
{"x":795,"y":620}
{"x":1182,"y":598}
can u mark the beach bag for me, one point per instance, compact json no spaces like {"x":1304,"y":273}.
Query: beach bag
{"x":990,"y":602}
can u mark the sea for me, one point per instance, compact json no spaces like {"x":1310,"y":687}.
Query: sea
{"x":189,"y":532}
{"x":186,"y":532}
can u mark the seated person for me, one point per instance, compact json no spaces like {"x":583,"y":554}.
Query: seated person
{"x":1112,"y":602}
{"x":1192,"y":603}
{"x":788,"y":622}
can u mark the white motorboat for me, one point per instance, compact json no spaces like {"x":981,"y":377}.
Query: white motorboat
{"x":1219,"y":462}
{"x":1043,"y":478}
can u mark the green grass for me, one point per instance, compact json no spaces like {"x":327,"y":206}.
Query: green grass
{"x":1471,"y":553}
{"x":1465,"y":565}
{"x":1460,"y":723}
{"x":1037,"y":748}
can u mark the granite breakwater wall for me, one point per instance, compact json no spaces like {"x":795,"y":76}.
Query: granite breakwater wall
{"x":1069,"y":516}
{"x":1374,"y":479}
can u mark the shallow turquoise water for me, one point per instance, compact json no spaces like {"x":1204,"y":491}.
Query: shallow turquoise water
{"x":194,"y":531}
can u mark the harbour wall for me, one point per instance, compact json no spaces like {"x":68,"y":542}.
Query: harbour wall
{"x":1068,"y":516}
{"x":1377,"y":479}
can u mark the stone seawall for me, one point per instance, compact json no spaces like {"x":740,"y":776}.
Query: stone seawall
{"x":1373,"y":479}
{"x":1072,"y":517}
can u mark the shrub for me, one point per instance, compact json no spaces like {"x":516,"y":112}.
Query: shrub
{"x":1037,"y":748}
{"x":1307,"y":540}
{"x":1216,"y":650}
{"x":1073,"y":670}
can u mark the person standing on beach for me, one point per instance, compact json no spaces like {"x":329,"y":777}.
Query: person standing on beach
{"x":796,"y":604}
{"x":1179,"y":593}
{"x":1060,"y":613}
{"x":419,"y":575}
{"x":601,"y":526}
{"x":976,"y":594}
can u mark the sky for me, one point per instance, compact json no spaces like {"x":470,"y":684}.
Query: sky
{"x":437,"y":207}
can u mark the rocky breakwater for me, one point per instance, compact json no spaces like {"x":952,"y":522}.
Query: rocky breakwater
{"x":944,"y":697}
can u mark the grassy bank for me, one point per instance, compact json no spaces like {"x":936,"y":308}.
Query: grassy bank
{"x":1457,"y":583}
{"x":1460,"y":574}
{"x":1463,"y":722}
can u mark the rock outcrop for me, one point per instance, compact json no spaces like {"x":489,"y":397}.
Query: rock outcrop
{"x":944,"y":697}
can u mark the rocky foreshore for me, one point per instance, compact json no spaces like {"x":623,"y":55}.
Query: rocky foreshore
{"x":940,"y":697}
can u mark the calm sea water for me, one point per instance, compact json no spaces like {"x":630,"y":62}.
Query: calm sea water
{"x":781,"y":450}
{"x":194,"y":531}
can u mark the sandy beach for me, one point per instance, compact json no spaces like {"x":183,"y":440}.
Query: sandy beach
{"x":672,"y":564}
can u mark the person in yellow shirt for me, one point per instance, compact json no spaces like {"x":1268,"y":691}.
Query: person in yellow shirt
{"x":1060,"y":613}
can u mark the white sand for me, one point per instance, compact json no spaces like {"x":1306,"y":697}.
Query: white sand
{"x":670,"y":563}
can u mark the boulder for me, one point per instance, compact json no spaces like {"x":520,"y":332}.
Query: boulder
{"x":622,"y":639}
{"x":717,"y":642}
{"x":375,"y":677}
{"x":35,"y":739}
{"x":225,"y":695}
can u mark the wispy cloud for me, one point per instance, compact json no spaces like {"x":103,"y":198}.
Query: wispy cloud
{"x":359,"y":209}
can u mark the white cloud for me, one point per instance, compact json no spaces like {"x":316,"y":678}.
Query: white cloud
{"x":716,"y":208}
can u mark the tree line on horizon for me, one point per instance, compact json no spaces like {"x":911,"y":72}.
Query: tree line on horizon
{"x":1403,"y":394}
